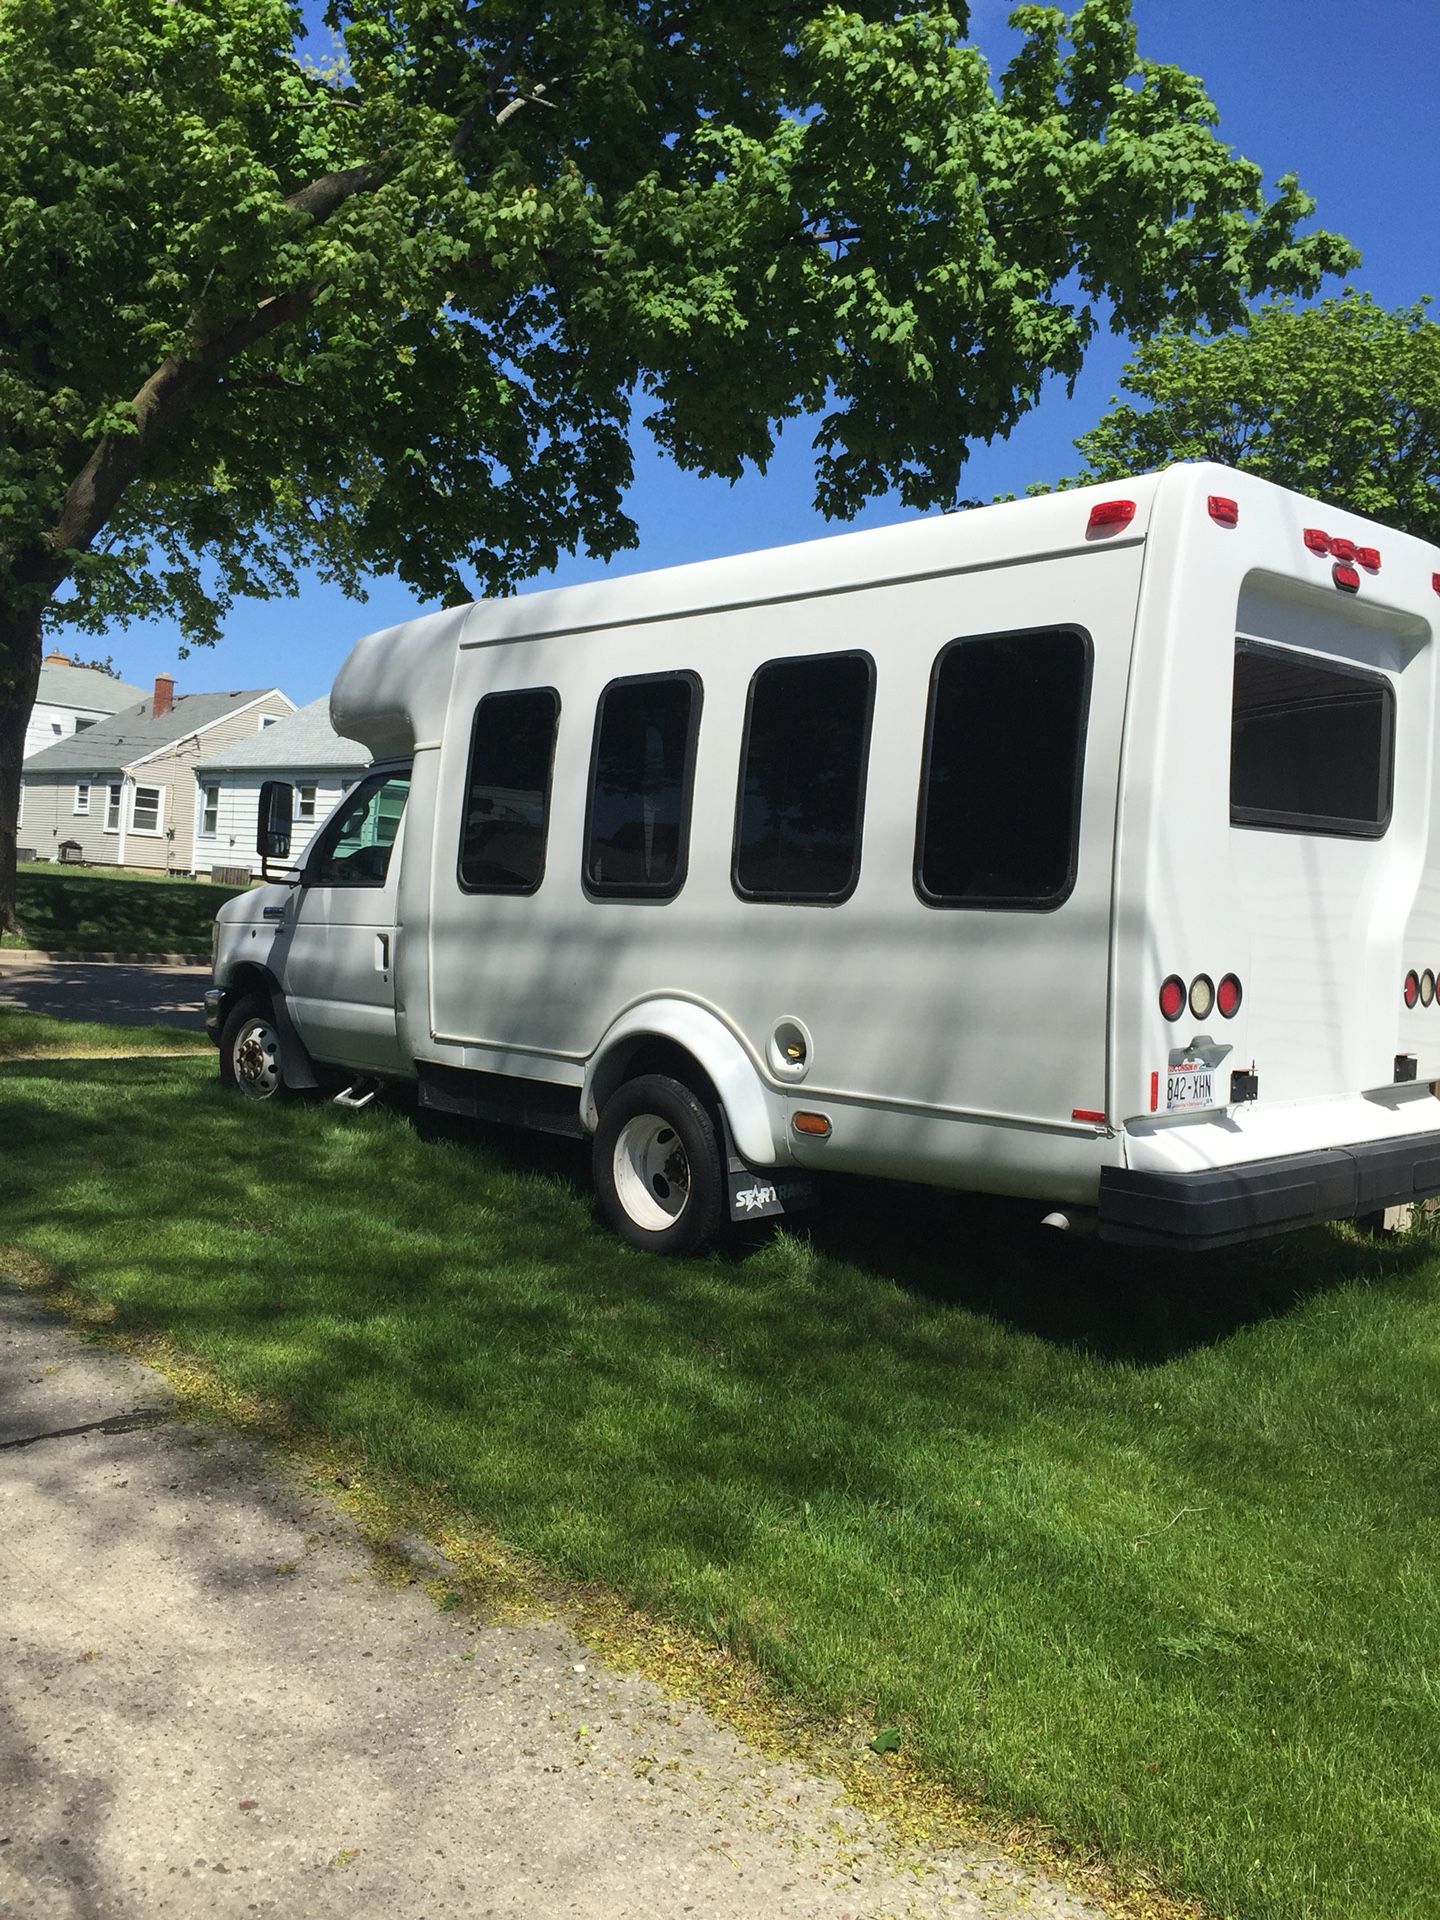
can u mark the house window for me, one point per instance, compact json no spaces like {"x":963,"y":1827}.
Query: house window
{"x":802,"y":778}
{"x":210,"y":811}
{"x":269,"y":720}
{"x":80,"y":725}
{"x":1312,"y":745}
{"x":55,"y":727}
{"x":1004,"y":754}
{"x":305,"y":803}
{"x":507,"y":791}
{"x":112,"y":807}
{"x":145,"y":810}
{"x":82,"y":796}
{"x":640,"y":778}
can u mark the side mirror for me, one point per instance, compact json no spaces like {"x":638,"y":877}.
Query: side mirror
{"x":277,"y":806}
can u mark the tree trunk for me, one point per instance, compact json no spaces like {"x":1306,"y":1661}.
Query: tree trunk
{"x":19,"y":678}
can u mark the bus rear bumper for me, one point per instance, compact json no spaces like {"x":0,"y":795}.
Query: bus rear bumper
{"x":1220,"y":1206}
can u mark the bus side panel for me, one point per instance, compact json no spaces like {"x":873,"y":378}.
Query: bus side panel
{"x":944,"y":1041}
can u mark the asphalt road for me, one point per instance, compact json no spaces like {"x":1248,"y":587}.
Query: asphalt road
{"x":125,"y":996}
{"x":209,"y":1706}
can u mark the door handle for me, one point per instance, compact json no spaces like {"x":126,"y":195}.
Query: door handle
{"x":382,"y":953}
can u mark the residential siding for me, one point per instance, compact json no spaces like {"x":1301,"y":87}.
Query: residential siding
{"x":233,"y":842}
{"x":49,"y":723}
{"x":48,"y":816}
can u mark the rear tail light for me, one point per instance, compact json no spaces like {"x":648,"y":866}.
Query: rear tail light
{"x":1202,"y":997}
{"x":1345,"y":577}
{"x":1225,"y":512}
{"x":1427,"y":987}
{"x":1172,"y":997}
{"x":1228,"y":996}
{"x":1412,"y":987}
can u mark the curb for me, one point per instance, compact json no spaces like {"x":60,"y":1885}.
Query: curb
{"x":66,"y":957}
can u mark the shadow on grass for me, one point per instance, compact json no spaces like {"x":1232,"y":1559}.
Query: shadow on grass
{"x":89,"y":910}
{"x":989,"y":1255}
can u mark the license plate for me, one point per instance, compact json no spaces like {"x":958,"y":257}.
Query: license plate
{"x":1187,"y":1087}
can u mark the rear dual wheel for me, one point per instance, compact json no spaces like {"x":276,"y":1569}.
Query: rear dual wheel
{"x":658,"y":1168}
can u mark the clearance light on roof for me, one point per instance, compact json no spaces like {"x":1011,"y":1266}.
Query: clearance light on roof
{"x":1345,"y":577}
{"x":1369,"y":558}
{"x":1341,"y":549}
{"x":1316,"y":540}
{"x":1435,"y":581}
{"x":1225,"y":513}
{"x":1111,"y":513}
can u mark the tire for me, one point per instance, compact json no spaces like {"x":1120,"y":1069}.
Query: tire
{"x":657,"y":1167}
{"x":252,"y":1058}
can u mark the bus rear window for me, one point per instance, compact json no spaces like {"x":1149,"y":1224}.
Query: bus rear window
{"x":1311,"y":744}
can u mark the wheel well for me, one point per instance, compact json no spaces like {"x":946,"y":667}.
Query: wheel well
{"x":652,"y":1053}
{"x":251,"y":979}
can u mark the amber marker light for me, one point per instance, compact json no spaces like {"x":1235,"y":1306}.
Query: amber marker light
{"x":815,"y":1124}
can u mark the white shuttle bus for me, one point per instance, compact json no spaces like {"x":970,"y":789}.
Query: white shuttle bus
{"x":1084,"y":849}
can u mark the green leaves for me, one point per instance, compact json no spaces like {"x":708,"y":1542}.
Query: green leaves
{"x":390,"y":307}
{"x":1340,"y":401}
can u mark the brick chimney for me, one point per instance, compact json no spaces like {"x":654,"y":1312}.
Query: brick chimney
{"x":164,"y":695}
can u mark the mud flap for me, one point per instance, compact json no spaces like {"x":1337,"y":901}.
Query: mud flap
{"x":762,"y":1193}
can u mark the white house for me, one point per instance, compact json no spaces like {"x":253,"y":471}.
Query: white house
{"x":70,"y":699}
{"x":303,"y":749}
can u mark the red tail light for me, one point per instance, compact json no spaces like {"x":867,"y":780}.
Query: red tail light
{"x":1345,"y":577}
{"x":1316,"y":540}
{"x":1228,"y":996}
{"x":1111,"y":513}
{"x":1225,"y":512}
{"x":1412,"y":988}
{"x":1172,"y":997}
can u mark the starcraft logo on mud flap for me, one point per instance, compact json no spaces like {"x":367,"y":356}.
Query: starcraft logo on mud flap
{"x":756,"y":1199}
{"x":753,"y":1197}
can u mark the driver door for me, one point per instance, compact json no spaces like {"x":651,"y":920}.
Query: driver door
{"x":339,"y":933}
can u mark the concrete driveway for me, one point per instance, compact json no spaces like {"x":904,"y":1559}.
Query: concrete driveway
{"x":210,"y":1706}
{"x":124,"y":996}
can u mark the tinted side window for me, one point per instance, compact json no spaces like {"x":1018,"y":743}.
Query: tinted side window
{"x":1004,"y":754}
{"x":354,"y":850}
{"x":507,"y":791}
{"x":638,"y":819}
{"x":1311,"y":746}
{"x":802,"y":778}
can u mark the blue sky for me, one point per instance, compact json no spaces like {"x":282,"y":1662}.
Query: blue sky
{"x":1342,"y":94}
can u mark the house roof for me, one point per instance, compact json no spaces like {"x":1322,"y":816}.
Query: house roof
{"x":134,"y":733}
{"x":62,"y":684}
{"x":303,"y":740}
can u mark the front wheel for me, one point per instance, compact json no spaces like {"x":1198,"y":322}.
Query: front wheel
{"x":657,"y":1166}
{"x":252,"y":1058}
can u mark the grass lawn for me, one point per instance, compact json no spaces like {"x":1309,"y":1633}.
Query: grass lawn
{"x":31,"y":1035}
{"x":1144,"y":1551}
{"x":95,"y":910}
